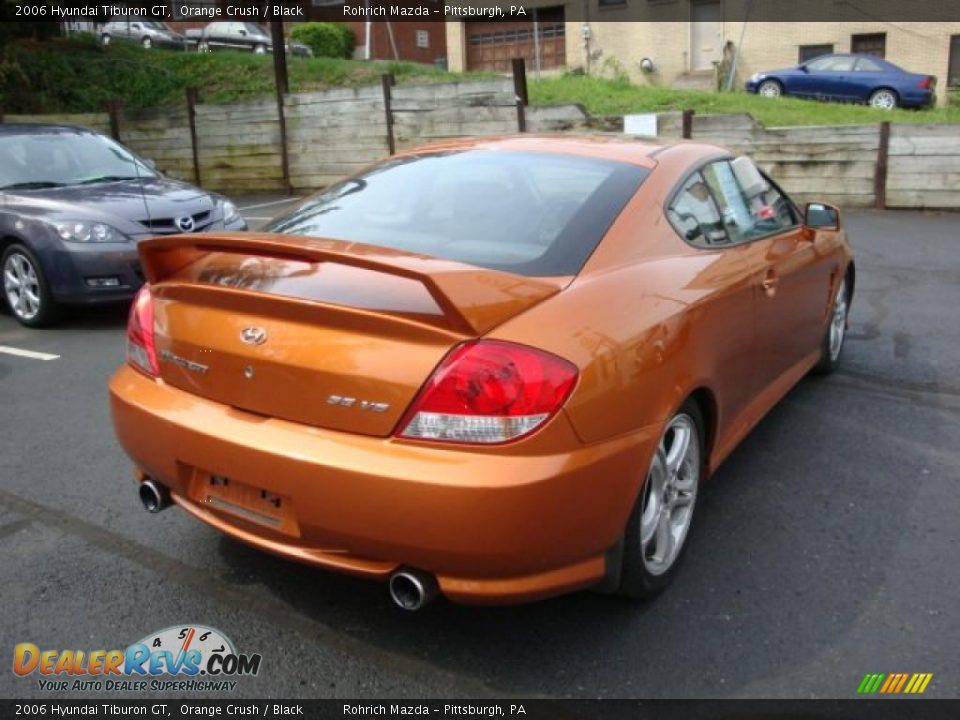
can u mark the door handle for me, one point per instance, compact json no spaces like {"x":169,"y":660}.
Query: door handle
{"x":770,"y":283}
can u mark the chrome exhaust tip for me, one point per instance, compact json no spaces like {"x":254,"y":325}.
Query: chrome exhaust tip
{"x":154,"y":496}
{"x":412,"y":589}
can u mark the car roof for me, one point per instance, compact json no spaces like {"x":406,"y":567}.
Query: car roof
{"x":607,"y":147}
{"x":854,"y":55}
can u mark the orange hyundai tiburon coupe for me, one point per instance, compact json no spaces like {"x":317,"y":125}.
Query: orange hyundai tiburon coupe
{"x":496,"y":369}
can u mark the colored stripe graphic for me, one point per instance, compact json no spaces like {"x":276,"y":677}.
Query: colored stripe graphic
{"x":894,"y":683}
{"x":870,"y":683}
{"x":918,"y":683}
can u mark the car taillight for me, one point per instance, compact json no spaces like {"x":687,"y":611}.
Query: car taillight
{"x":926,"y":83}
{"x":489,"y":391}
{"x":141,"y":348}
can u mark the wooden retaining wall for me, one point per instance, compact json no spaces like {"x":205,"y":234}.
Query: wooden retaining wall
{"x":839,"y":164}
{"x":333,"y":133}
{"x":924,"y":166}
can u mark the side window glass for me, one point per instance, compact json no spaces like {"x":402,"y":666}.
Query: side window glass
{"x":820,"y":63}
{"x":749,"y":205}
{"x":695,"y":216}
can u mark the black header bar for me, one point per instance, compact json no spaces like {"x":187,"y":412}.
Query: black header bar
{"x":476,"y":10}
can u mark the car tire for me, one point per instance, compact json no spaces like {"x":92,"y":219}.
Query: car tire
{"x":104,"y":40}
{"x":260,"y":49}
{"x":770,"y":88}
{"x":22,"y":274}
{"x":884,"y":99}
{"x":836,"y":333}
{"x":146,"y":43}
{"x":659,"y":524}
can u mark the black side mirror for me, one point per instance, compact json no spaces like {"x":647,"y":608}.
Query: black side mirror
{"x":820,"y":216}
{"x":803,"y":68}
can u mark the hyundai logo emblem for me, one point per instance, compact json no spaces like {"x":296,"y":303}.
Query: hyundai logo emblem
{"x":185,"y":223}
{"x":253,"y":335}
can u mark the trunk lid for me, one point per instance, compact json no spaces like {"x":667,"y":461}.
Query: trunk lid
{"x":328,"y":333}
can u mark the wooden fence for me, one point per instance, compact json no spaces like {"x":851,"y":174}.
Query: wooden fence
{"x":239,"y":147}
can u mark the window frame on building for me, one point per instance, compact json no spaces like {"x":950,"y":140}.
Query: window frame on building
{"x":860,"y":44}
{"x":806,"y":53}
{"x":953,"y":64}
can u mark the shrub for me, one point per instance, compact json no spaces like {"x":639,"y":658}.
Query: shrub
{"x":326,"y":39}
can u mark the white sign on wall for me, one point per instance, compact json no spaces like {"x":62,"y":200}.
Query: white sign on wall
{"x":645,"y":124}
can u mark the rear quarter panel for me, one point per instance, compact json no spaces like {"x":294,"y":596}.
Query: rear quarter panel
{"x":649,"y":320}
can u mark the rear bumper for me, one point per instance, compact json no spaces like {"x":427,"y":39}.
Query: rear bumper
{"x":492,"y":528}
{"x":918,"y":99}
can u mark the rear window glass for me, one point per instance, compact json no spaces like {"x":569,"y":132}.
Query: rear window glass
{"x":526,"y":213}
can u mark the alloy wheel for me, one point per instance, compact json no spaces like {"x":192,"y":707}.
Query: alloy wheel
{"x":838,"y":321}
{"x":883,"y":100}
{"x":670,"y":494}
{"x":770,"y":88}
{"x":22,"y":286}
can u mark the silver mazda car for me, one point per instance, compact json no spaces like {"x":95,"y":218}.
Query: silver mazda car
{"x":73,"y":205}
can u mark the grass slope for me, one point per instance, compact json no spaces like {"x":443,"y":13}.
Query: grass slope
{"x":77,"y":75}
{"x":616,"y":97}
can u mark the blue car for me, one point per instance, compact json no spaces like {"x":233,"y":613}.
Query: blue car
{"x":849,"y":78}
{"x":73,"y":205}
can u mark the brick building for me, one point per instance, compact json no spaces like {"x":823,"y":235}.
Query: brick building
{"x":424,"y":42}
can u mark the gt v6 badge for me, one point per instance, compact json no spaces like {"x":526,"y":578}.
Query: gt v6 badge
{"x":183,"y":362}
{"x":377,"y":407}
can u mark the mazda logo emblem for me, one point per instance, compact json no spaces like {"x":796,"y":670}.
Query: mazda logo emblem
{"x":253,"y":335}
{"x":185,"y":223}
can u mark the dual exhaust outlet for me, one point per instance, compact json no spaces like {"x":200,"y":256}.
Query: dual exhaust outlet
{"x":409,"y":589}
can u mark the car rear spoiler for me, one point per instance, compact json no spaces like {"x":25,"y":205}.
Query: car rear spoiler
{"x":473,"y":300}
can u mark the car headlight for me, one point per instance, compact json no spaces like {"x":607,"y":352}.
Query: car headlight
{"x":230,"y":212}
{"x":82,"y":231}
{"x":756,"y":77}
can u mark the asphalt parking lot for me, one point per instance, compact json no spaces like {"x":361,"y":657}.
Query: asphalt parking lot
{"x":825,"y":548}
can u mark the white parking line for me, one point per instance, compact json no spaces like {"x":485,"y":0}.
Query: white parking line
{"x":27,"y":353}
{"x":268,"y":204}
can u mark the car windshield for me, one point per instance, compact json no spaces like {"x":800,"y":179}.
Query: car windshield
{"x":528,"y":213}
{"x":254,"y":29}
{"x":67,"y":157}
